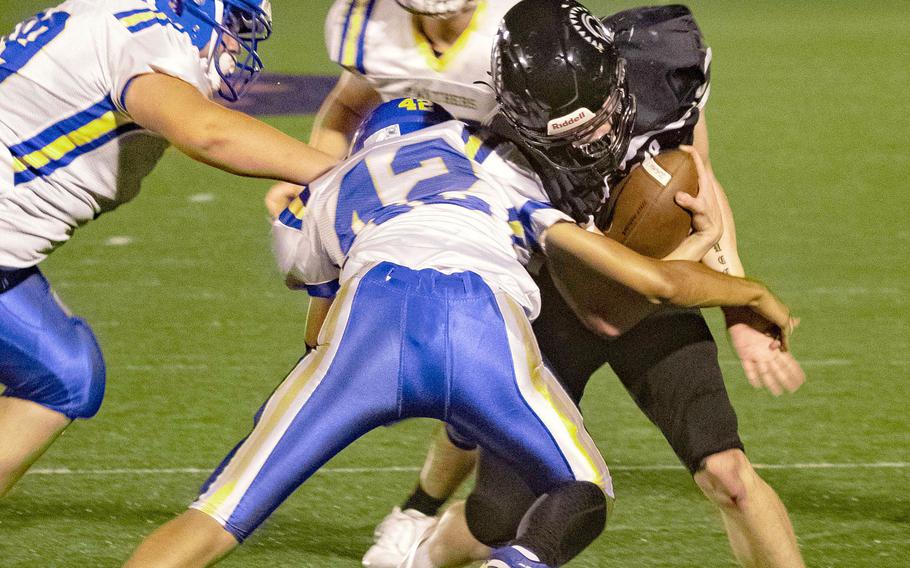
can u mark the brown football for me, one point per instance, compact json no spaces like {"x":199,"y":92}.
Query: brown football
{"x":645,"y":217}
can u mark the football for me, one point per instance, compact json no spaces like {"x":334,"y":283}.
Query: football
{"x":645,"y":216}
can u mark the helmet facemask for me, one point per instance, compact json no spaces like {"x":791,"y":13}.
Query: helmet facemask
{"x":237,"y":28}
{"x":576,"y":151}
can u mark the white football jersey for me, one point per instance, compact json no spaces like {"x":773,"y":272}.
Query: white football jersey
{"x":439,"y":198}
{"x":69,"y":151}
{"x":380,"y":41}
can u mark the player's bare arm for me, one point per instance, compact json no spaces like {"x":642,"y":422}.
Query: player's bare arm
{"x":682,"y":283}
{"x":341,"y":112}
{"x":724,"y":256}
{"x":220,"y":137}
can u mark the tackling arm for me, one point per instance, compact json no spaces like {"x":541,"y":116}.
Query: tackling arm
{"x":682,"y":283}
{"x":341,"y":112}
{"x":223,"y":138}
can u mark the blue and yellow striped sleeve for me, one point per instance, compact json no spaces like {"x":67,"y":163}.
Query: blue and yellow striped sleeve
{"x":346,"y":33}
{"x":142,"y":18}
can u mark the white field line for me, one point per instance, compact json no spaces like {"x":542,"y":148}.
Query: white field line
{"x":409,"y":469}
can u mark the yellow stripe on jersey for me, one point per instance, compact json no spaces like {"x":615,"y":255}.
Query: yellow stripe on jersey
{"x":472,"y":146}
{"x":440,"y":63}
{"x":517,"y":228}
{"x":356,"y":28}
{"x":141,"y":17}
{"x":55,"y":150}
{"x":297,"y":208}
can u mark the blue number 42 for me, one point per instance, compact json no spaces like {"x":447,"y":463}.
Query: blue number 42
{"x":386,"y":184}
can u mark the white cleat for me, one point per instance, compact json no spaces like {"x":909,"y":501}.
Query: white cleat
{"x":395,"y":536}
{"x":417,"y":557}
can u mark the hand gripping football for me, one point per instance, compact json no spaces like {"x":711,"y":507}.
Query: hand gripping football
{"x":645,"y":217}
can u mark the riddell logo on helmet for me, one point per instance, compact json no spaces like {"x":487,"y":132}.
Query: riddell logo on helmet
{"x":570,"y":121}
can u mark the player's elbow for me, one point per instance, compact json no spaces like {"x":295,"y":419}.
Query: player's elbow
{"x":203,"y":138}
{"x":659,"y":286}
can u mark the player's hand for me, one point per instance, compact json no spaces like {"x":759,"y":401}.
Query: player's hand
{"x":758,"y":345}
{"x":707,"y":220}
{"x":280,"y":196}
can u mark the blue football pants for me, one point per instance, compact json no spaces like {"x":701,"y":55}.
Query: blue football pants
{"x":46,"y":355}
{"x":401,"y":343}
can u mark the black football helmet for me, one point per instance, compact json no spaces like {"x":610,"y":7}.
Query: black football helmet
{"x":560,"y":83}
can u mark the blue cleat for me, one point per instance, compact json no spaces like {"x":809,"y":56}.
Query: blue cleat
{"x":513,"y":557}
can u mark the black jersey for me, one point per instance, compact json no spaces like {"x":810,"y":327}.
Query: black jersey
{"x":667,"y":70}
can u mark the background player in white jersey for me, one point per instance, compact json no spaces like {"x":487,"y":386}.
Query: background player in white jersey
{"x":91,"y":93}
{"x":386,"y":51}
{"x":431,"y":319}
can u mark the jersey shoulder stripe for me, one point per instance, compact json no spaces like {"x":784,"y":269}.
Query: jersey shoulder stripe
{"x":525,"y":215}
{"x":350,"y":50}
{"x":292,"y":216}
{"x":62,"y":142}
{"x":140,"y":19}
{"x":479,"y":144}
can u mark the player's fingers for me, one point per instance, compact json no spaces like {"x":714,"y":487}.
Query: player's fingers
{"x":767,"y":378}
{"x":696,"y":157}
{"x":279,"y":196}
{"x":751,"y":373}
{"x":793,"y":372}
{"x":778,"y":374}
{"x":688,"y":202}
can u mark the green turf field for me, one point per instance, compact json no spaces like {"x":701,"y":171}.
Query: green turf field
{"x":810,"y":127}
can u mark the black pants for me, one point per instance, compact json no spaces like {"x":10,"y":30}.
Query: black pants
{"x":668,"y":363}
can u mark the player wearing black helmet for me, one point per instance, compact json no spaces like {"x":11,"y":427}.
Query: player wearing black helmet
{"x":589,"y":99}
{"x":566,"y":96}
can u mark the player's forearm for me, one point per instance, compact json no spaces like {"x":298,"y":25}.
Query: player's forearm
{"x":341,"y":113}
{"x":333,"y":129}
{"x":681,"y":283}
{"x":724,"y":255}
{"x":237,"y":143}
{"x":697,"y":286}
{"x":694,"y":247}
{"x":224,"y":138}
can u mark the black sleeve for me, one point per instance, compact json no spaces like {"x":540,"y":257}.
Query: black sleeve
{"x":668,"y":70}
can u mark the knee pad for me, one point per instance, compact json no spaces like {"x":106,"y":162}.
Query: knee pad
{"x":564,"y":521}
{"x":493,"y":523}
